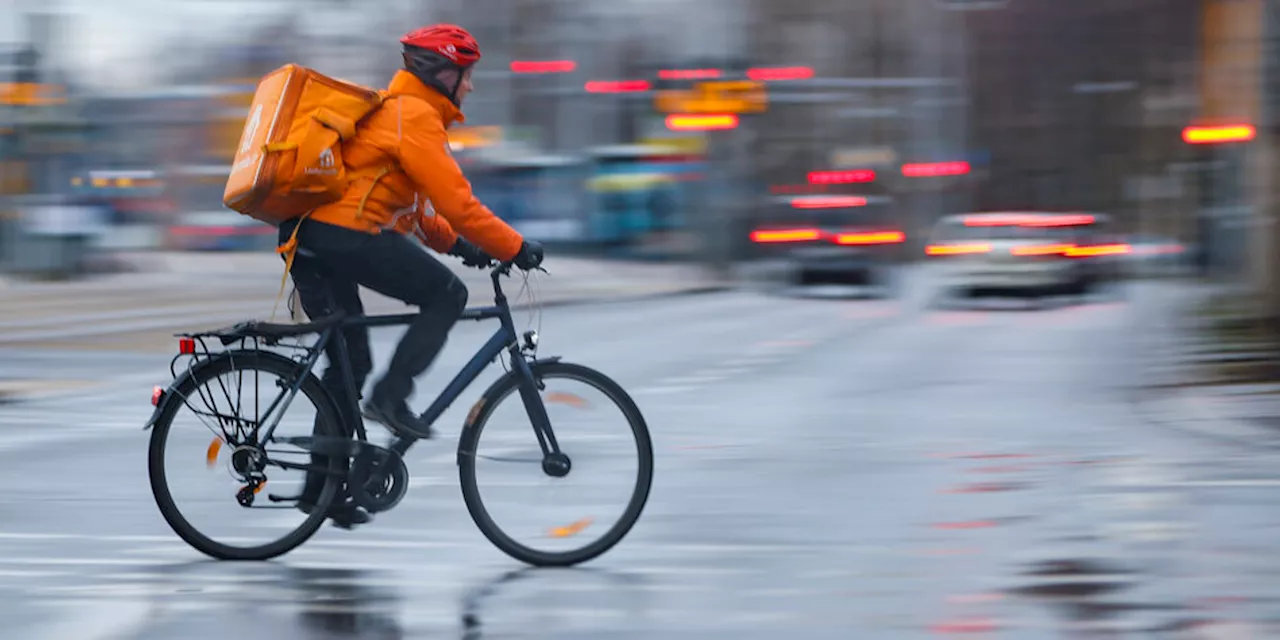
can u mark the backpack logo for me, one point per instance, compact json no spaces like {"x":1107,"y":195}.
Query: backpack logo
{"x":251,"y":129}
{"x":325,"y":165}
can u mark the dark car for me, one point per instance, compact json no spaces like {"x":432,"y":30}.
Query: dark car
{"x":832,"y":239}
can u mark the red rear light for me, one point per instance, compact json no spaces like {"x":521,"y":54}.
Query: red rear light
{"x":829,"y":202}
{"x":842,"y":177}
{"x":956,"y":249}
{"x":701,"y":121}
{"x":543,"y":66}
{"x":785,"y":235}
{"x":1060,"y":221}
{"x":187,"y":346}
{"x":1219,"y":134}
{"x":883,"y":237}
{"x":1099,"y":250}
{"x":780,"y":73}
{"x":620,"y":86}
{"x":1042,"y":250}
{"x":935,"y":169}
{"x":156,"y":394}
{"x":688,"y":74}
{"x":998,"y":220}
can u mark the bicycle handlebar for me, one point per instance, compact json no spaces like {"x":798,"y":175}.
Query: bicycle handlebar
{"x":504,"y":268}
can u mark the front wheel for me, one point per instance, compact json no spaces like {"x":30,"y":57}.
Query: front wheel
{"x":556,"y":510}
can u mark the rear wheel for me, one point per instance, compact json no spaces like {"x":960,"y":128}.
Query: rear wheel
{"x":214,"y":411}
{"x":561,"y":507}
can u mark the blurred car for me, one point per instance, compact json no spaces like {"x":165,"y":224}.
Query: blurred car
{"x":223,"y":230}
{"x":832,"y":239}
{"x":1032,"y":254}
{"x":1099,"y":254}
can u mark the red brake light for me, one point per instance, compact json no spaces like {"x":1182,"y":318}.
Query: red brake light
{"x":997,"y":220}
{"x":1099,"y":250}
{"x":785,"y":235}
{"x":1060,"y":221}
{"x":617,"y":86}
{"x":828,"y":202}
{"x":688,"y":74}
{"x":1214,"y":135}
{"x":956,"y":249}
{"x":935,"y":169}
{"x":543,"y":66}
{"x":701,"y":122}
{"x":883,"y":237}
{"x":780,"y":73}
{"x":1042,"y":250}
{"x":156,"y":394}
{"x":187,"y":346}
{"x":842,"y":177}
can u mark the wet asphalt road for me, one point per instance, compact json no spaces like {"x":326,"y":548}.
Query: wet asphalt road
{"x":826,"y":468}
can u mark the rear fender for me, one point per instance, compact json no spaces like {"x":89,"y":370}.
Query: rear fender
{"x":170,"y":394}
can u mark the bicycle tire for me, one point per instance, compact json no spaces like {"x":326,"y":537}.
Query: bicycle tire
{"x":219,"y":365}
{"x":503,"y":388}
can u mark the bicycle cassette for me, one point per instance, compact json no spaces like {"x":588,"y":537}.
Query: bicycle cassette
{"x":378,"y":479}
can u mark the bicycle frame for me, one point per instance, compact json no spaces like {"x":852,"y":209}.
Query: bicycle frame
{"x":505,"y":338}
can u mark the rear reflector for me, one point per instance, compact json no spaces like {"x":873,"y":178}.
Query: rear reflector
{"x":785,"y":235}
{"x":157,"y":394}
{"x":187,"y":346}
{"x":956,"y":249}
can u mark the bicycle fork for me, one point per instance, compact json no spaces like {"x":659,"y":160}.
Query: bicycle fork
{"x":554,"y":462}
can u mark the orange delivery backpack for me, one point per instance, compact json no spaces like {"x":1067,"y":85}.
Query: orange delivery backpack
{"x":289,"y":160}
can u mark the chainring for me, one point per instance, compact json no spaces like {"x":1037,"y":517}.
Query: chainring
{"x":378,"y":479}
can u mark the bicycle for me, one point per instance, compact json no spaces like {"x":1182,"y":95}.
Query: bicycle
{"x":376,"y":477}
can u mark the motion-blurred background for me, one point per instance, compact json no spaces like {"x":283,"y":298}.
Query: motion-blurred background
{"x":899,"y":466}
{"x":665,"y":128}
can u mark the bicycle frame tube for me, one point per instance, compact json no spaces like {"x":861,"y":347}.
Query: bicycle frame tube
{"x":288,"y":396}
{"x":503,"y":338}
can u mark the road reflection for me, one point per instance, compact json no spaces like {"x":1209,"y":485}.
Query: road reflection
{"x":538,"y":602}
{"x":245,"y":601}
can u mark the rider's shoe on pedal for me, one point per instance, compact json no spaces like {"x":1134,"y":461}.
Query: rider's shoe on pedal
{"x":344,"y":513}
{"x":396,"y":416}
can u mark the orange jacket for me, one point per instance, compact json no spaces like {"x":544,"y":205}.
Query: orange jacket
{"x":403,"y":177}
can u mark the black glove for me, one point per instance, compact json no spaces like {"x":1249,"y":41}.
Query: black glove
{"x":530,"y":255}
{"x":472,"y":256}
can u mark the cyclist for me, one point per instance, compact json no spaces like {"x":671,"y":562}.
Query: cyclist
{"x":402,"y":181}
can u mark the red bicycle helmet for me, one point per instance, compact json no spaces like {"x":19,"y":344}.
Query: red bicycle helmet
{"x":437,"y":48}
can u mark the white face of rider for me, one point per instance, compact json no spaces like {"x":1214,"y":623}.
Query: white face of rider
{"x":449,"y":76}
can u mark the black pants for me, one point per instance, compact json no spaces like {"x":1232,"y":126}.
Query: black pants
{"x":334,"y":262}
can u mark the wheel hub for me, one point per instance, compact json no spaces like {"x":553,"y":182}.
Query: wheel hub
{"x":556,"y":465}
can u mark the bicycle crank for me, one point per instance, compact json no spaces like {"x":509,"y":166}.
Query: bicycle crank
{"x":378,"y":479}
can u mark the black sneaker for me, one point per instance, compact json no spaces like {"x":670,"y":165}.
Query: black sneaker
{"x":345,"y":514}
{"x":396,"y":417}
